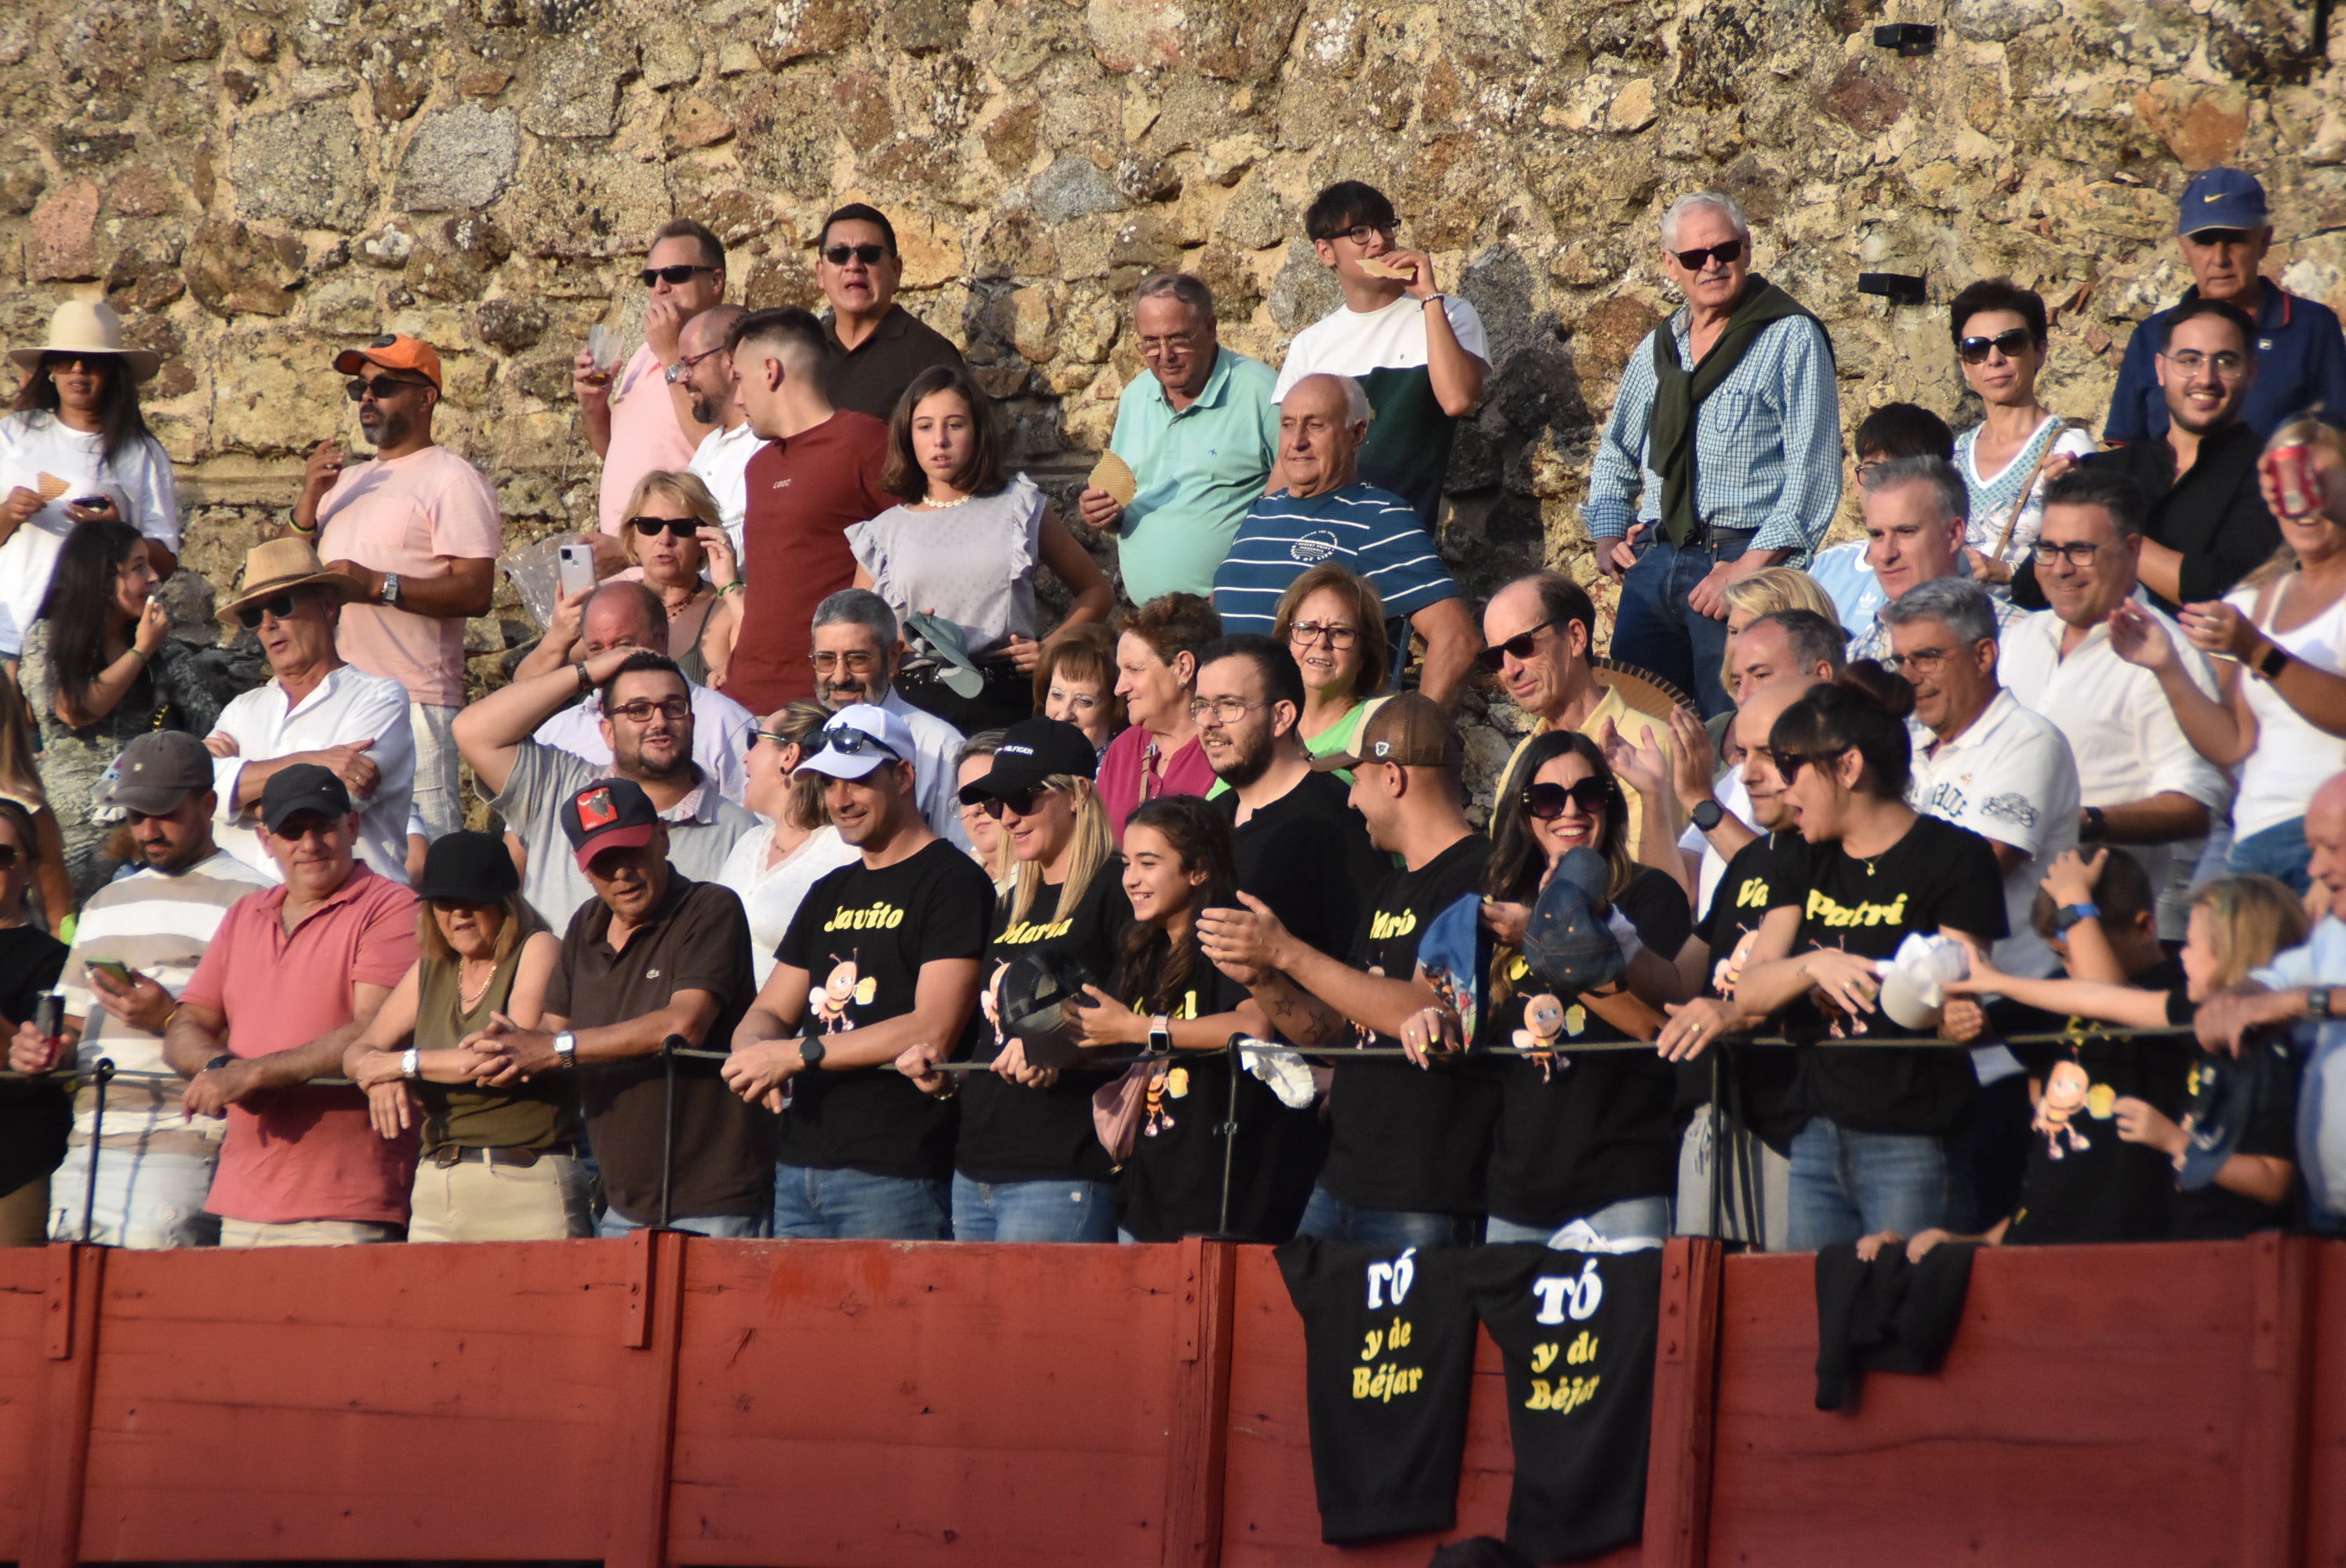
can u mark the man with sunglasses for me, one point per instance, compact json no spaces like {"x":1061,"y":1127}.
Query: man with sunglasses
{"x":2224,"y":228}
{"x":639,"y":417}
{"x":646,"y":722}
{"x":877,"y":346}
{"x":1420,"y":353}
{"x":1723,"y":451}
{"x":722,"y":458}
{"x":417,"y":529}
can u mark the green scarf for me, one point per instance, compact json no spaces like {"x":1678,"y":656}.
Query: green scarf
{"x":1669,"y":444}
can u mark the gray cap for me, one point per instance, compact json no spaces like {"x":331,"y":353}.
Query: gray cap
{"x":156,"y":771}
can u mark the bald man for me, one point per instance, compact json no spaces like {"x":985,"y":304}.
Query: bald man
{"x":722,"y":458}
{"x":1319,"y":512}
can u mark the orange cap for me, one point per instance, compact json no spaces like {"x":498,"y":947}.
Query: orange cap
{"x":394,"y":351}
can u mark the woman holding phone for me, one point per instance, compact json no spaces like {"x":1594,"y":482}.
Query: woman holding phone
{"x":35,"y":1117}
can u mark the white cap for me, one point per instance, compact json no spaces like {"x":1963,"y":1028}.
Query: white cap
{"x":859,"y":738}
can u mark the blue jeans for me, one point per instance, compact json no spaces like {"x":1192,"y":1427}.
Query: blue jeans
{"x":1033,"y":1210}
{"x":1331,"y":1217}
{"x":2278,"y":851}
{"x":1847,"y":1185}
{"x":1631,"y":1219}
{"x":855,"y":1206}
{"x":736,"y":1227}
{"x":1655,"y":629}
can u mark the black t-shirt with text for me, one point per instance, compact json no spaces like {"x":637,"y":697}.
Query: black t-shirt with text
{"x":1579,"y":1131}
{"x":2213,"y":1213}
{"x":1307,"y":855}
{"x":1936,"y":875}
{"x":861,"y":936}
{"x":1403,"y":1137}
{"x":1010,"y":1134}
{"x":1768,"y":873}
{"x":36,"y":1118}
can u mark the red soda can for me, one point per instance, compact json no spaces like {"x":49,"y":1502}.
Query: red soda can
{"x":2295,"y":479}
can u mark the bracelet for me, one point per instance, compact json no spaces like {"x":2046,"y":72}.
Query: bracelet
{"x":1434,"y":299}
{"x":584,"y":683}
{"x":732,"y":587}
{"x":141,"y":653}
{"x":295,"y":523}
{"x":411,"y":1062}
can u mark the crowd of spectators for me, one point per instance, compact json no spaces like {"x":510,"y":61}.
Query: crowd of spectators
{"x":862,"y":860}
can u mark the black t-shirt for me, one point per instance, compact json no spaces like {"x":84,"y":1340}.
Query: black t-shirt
{"x":2213,"y":1213}
{"x":1171,"y":1186}
{"x":35,"y":1117}
{"x":1404,"y":1137}
{"x":1768,"y":873}
{"x":1307,"y":855}
{"x":1388,"y":1359}
{"x":1011,"y":1134}
{"x":1577,"y":1132}
{"x":1937,"y":875}
{"x":1576,"y":1332}
{"x":861,"y":936}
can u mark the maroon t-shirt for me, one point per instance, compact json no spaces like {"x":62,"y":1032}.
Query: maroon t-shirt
{"x":804,"y":494}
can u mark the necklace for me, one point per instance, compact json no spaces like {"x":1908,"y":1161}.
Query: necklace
{"x":464,"y":1002}
{"x":929,"y":506}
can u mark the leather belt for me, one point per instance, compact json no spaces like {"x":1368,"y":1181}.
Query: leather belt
{"x":448,"y":1154}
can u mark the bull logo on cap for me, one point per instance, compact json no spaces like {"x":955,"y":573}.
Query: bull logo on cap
{"x":596,"y":809}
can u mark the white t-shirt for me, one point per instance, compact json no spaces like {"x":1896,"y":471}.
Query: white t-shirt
{"x":2293,"y":758}
{"x":771,"y":893}
{"x":137,"y":480}
{"x":1736,"y":801}
{"x":722,"y":463}
{"x":1349,"y":342}
{"x":2010,"y":779}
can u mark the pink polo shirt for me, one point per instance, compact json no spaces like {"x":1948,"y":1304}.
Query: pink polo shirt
{"x":412,"y":516}
{"x":306,"y":1153}
{"x":1126,"y":777}
{"x":645,"y":435}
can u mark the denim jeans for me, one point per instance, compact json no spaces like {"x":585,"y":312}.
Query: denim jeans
{"x":1657,"y":630}
{"x":854,"y":1206}
{"x":1631,"y":1219}
{"x":1333,"y":1219}
{"x":2278,"y":851}
{"x":1033,"y":1210}
{"x":1846,"y":1185}
{"x":734,"y":1226}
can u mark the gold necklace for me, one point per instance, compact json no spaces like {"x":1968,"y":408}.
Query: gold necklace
{"x":466,"y":1003}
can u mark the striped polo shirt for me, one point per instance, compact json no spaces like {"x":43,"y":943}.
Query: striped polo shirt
{"x":1371,"y":531}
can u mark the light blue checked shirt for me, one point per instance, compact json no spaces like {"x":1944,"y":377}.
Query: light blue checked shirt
{"x":1766,"y":452}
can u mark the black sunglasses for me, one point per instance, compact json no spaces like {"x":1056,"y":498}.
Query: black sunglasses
{"x":682,"y":527}
{"x":382,"y":386}
{"x":870,"y":255}
{"x":851,"y":742}
{"x":1789,"y":763}
{"x":1546,"y":801}
{"x":682,"y":272}
{"x":282,"y":605}
{"x":1726,"y":255}
{"x":1017,"y":803}
{"x":2219,"y":237}
{"x":2009,"y":344}
{"x":1522,"y":644}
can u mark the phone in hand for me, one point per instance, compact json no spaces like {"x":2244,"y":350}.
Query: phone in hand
{"x":573,"y":569}
{"x":115,"y":970}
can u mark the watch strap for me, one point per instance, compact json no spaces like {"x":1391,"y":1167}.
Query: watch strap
{"x":1160,"y":1032}
{"x":411,"y":1062}
{"x":565,"y":1047}
{"x":2272,"y":661}
{"x":2317,"y":1002}
{"x":2071,"y":914}
{"x":1708,"y":815}
{"x":217,"y":1063}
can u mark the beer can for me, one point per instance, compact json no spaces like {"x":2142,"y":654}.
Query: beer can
{"x":49,"y":1015}
{"x":2295,"y":479}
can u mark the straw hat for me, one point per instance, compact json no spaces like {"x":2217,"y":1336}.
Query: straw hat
{"x":283,"y":564}
{"x":89,"y":327}
{"x":1644,"y":691}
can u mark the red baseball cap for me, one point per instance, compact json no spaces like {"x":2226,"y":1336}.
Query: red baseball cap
{"x":608,"y":814}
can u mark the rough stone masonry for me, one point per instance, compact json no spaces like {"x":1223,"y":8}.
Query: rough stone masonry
{"x":257,"y":183}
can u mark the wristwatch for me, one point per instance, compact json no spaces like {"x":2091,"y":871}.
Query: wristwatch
{"x":390,"y":588}
{"x":586,"y":681}
{"x":1160,"y":1032}
{"x":219,"y":1062}
{"x":675,"y":372}
{"x":2094,"y":827}
{"x":2070,"y":914}
{"x":1708,"y":815}
{"x":566,"y":1049}
{"x":411,"y":1062}
{"x":2272,"y":661}
{"x":2317,"y":1002}
{"x":812,"y":1050}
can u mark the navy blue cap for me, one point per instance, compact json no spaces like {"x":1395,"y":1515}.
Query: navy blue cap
{"x":1569,"y":942}
{"x":2222,"y":198}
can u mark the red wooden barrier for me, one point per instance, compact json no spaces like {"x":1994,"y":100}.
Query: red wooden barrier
{"x":24,"y":1308}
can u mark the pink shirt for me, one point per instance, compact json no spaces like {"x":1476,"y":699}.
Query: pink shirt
{"x":645,"y":435}
{"x":1128,"y":776}
{"x":411,"y":516}
{"x":306,"y":1153}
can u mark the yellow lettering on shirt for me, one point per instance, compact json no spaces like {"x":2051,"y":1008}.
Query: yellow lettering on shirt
{"x":1752,"y":894}
{"x":1387,"y":1380}
{"x":1830,"y":913}
{"x":1028,"y":930}
{"x":878,"y":916}
{"x":1563,"y":1395}
{"x":1387,"y":923}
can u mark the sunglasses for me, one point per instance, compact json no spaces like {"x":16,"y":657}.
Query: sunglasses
{"x":849,"y":742}
{"x":9,"y":856}
{"x":1789,"y":763}
{"x":680,"y":527}
{"x":870,"y":255}
{"x":1726,"y":255}
{"x":2219,"y":237}
{"x":2009,"y":344}
{"x":379,"y":387}
{"x":1522,"y":646}
{"x":1546,"y":801}
{"x":1017,"y":803}
{"x":280,"y":606}
{"x":682,"y":272}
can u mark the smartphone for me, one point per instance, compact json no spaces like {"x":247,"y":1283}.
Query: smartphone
{"x":49,"y":1016}
{"x":573,"y":569}
{"x":114,"y":968}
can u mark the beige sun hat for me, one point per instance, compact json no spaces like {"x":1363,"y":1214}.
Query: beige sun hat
{"x":89,"y":327}
{"x":283,"y":564}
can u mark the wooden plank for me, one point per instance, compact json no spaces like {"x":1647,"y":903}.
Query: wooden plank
{"x":69,"y":1371}
{"x":1686,"y":1368}
{"x":24,"y":1356}
{"x":2279,"y":1402}
{"x":2325,"y":1485}
{"x":643,"y":1442}
{"x":1193,"y":1474}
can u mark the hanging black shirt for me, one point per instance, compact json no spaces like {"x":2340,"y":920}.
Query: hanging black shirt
{"x":1402,"y":1137}
{"x":1010,"y":1134}
{"x":1307,"y":855}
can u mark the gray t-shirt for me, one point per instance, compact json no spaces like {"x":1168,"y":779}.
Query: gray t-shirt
{"x":702,"y":828}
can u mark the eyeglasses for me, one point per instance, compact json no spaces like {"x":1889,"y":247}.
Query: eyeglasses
{"x":2190,"y":362}
{"x":849,"y":742}
{"x":870,"y":255}
{"x":1172,"y":343}
{"x":1017,"y":803}
{"x":1922,"y":661}
{"x":1789,"y":763}
{"x":756,"y":735}
{"x":2009,"y":344}
{"x":1221,"y":709}
{"x":1309,"y":632}
{"x":680,"y":527}
{"x":2219,"y":237}
{"x":1362,"y":233}
{"x":280,"y":606}
{"x":1546,"y":801}
{"x":675,"y":709}
{"x":2079,"y":555}
{"x":860,"y":660}
{"x":682,"y":272}
{"x":379,"y":387}
{"x":1521,"y":646}
{"x":1726,"y":255}
{"x":686,"y":361}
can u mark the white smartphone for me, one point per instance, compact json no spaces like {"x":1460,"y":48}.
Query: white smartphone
{"x":573,"y":569}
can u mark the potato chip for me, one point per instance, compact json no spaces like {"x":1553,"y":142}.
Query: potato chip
{"x":51,"y":486}
{"x":1115,"y":476}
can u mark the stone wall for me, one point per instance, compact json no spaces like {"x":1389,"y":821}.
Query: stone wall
{"x":256,"y":183}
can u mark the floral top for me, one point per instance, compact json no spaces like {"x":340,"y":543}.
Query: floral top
{"x":2009,"y":497}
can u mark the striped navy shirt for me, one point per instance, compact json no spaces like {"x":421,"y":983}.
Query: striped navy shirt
{"x":1371,"y":531}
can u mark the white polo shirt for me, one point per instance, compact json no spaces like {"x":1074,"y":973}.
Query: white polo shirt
{"x":349,"y":705}
{"x":2010,"y":779}
{"x":722,"y":463}
{"x":2122,"y":731}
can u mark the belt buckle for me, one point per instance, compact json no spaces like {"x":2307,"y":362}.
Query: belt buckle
{"x":447,"y":1157}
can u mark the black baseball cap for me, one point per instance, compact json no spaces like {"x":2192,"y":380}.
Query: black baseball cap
{"x":1032,"y":750}
{"x":468,"y":867}
{"x":608,"y":814}
{"x":305,"y":787}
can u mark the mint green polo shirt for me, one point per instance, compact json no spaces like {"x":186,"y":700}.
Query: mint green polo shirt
{"x":1198,"y":470}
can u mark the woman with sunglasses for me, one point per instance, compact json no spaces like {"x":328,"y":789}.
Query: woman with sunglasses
{"x":1027,"y":1164}
{"x":773,"y":864}
{"x":989,"y":845}
{"x":77,"y":450}
{"x":1878,"y":1149}
{"x":100,"y":669}
{"x":673,"y":534}
{"x":1333,"y":621}
{"x":963,"y":547}
{"x":2001,"y":334}
{"x":36,"y":1118}
{"x":1581,"y":1137}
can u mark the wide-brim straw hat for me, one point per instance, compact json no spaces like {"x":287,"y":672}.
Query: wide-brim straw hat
{"x":283,"y":564}
{"x":89,"y":327}
{"x":1644,"y":691}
